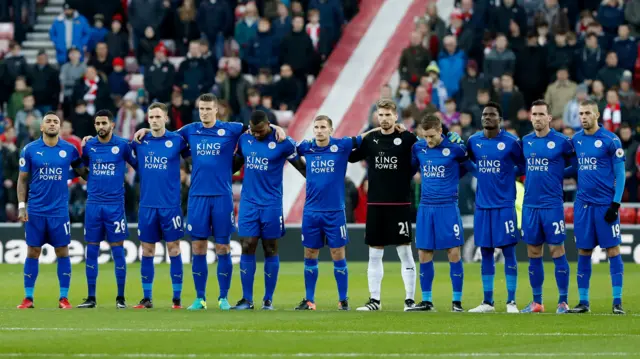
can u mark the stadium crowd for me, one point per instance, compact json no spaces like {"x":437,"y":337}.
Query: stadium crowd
{"x":265,"y":54}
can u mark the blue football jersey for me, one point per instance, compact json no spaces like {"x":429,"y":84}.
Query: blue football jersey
{"x":546,"y":158}
{"x":212,"y":151}
{"x":49,"y":171}
{"x":596,"y":155}
{"x":263,"y":168}
{"x":107,"y":163}
{"x":440,"y":170}
{"x":496,"y":159}
{"x":326,"y":169}
{"x":159,"y":169}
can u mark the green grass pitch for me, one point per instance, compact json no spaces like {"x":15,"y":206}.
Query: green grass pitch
{"x":47,"y":332}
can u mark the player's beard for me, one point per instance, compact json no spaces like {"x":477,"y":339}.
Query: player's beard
{"x":51,"y":134}
{"x":386,"y":125}
{"x":104,"y":133}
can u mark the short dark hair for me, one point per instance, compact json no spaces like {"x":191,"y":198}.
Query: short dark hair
{"x":258,"y":117}
{"x":540,"y":103}
{"x":323,"y":118}
{"x":625,"y":125}
{"x":496,"y":106}
{"x":591,"y":35}
{"x":159,"y":105}
{"x":50,"y":113}
{"x":204,"y":42}
{"x":483,"y":91}
{"x":430,"y":121}
{"x":449,"y":100}
{"x":208,"y":97}
{"x":104,"y":113}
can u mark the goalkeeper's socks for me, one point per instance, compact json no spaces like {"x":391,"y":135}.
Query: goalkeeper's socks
{"x":247,"y":275}
{"x":91,"y":268}
{"x":456,"y":272}
{"x":200,"y":272}
{"x":584,"y":277}
{"x":616,"y":268}
{"x":271,"y":269}
{"x":64,"y":275}
{"x":536,"y":278}
{"x":310,"y":278}
{"x":427,"y":273}
{"x":31,"y":268}
{"x":510,"y":271}
{"x":176,"y":272}
{"x":488,"y":271}
{"x":562,"y":278}
{"x":225,"y":270}
{"x":120,"y":268}
{"x":147,"y":272}
{"x":341,"y":273}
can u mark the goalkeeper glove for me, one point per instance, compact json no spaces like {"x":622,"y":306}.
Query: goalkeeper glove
{"x":612,"y":212}
{"x":454,"y":137}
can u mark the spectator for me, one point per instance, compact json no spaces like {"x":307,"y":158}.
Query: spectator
{"x":70,"y":73}
{"x":92,"y":89}
{"x":450,"y":114}
{"x":586,"y":18}
{"x":435,"y":22}
{"x":385,"y":93}
{"x":560,"y":55}
{"x":117,"y":41}
{"x":129,"y":117}
{"x":351,"y":199}
{"x":297,"y":51}
{"x":554,"y":16}
{"x":429,"y":41}
{"x":466,"y":125}
{"x":628,"y":96}
{"x":560,"y":93}
{"x":45,"y":83}
{"x":14,"y":65}
{"x":195,"y":75}
{"x":282,"y":23}
{"x":208,"y":57}
{"x":523,"y":125}
{"x":436,"y":88}
{"x":610,"y":15}
{"x":630,"y":146}
{"x":236,"y":96}
{"x":288,"y":90}
{"x":97,"y":32}
{"x":499,"y":60}
{"x":213,"y":18}
{"x":614,"y":114}
{"x":247,"y":28}
{"x":263,"y":49}
{"x":319,"y":36}
{"x":407,"y":120}
{"x":145,"y":49}
{"x":509,"y":98}
{"x":66,"y":133}
{"x":611,"y":74}
{"x":118,"y":84}
{"x":186,"y":26}
{"x":81,"y":121}
{"x":102,"y":62}
{"x":108,"y":8}
{"x":160,"y":76}
{"x":632,"y":16}
{"x":68,"y":30}
{"x":604,"y":40}
{"x":403,"y":95}
{"x":461,"y":31}
{"x":421,"y":106}
{"x":414,"y":60}
{"x":21,"y":123}
{"x":502,"y":16}
{"x":144,"y":13}
{"x":10,"y":153}
{"x":15,"y":103}
{"x":571,"y":116}
{"x":626,"y":48}
{"x":590,"y":60}
{"x":530,"y":58}
{"x":179,"y":113}
{"x":451,"y":62}
{"x":296,"y":8}
{"x":598,"y":95}
{"x":255,"y":104}
{"x":331,"y":19}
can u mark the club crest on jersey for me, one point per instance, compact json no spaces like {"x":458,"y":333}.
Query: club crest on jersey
{"x":22,"y":162}
{"x":446,"y":152}
{"x":334,"y":148}
{"x":115,"y":150}
{"x":598,"y":144}
{"x":551,"y":145}
{"x":272,"y":145}
{"x":63,"y":153}
{"x":397,"y":141}
{"x":221,"y":132}
{"x":168,"y":144}
{"x":501,"y":146}
{"x":619,"y":152}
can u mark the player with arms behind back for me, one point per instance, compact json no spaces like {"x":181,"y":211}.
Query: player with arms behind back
{"x":105,"y":158}
{"x":498,"y":157}
{"x":601,"y":177}
{"x":44,"y":170}
{"x":324,"y":221}
{"x":439,"y":225}
{"x":547,"y":153}
{"x":260,"y":214}
{"x":160,"y":215}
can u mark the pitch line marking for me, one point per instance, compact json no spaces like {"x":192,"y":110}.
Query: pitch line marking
{"x":309,"y":355}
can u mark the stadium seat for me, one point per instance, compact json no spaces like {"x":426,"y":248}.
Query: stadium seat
{"x":627,"y":215}
{"x":568,"y":215}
